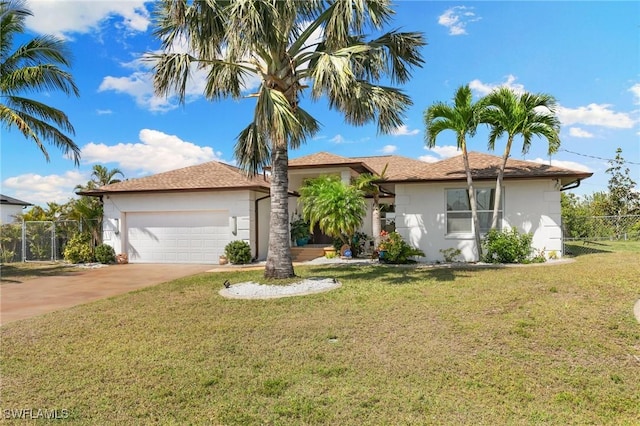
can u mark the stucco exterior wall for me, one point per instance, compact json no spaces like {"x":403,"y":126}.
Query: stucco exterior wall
{"x":530,"y":206}
{"x":238,"y":204}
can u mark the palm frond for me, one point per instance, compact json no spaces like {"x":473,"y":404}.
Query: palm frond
{"x":252,"y":150}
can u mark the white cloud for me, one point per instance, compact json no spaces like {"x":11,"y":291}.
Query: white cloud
{"x":571,"y":165}
{"x":484,"y":89}
{"x":429,"y":158}
{"x":83,"y":16}
{"x":446,"y":151}
{"x":579,"y":133}
{"x":443,"y":152}
{"x":595,"y":115}
{"x":104,"y":112}
{"x":161,"y":152}
{"x":338,"y":139}
{"x":38,"y":189}
{"x":389,"y":149}
{"x":139,"y":83}
{"x":456,"y":19}
{"x":635,"y":90}
{"x":404,"y":131}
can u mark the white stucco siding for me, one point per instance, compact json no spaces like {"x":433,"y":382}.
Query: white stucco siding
{"x":530,"y":206}
{"x":235,"y":206}
{"x":8,"y":213}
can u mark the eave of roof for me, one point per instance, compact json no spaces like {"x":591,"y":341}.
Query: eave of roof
{"x":10,"y":201}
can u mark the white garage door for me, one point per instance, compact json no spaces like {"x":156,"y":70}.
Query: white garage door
{"x":177,"y":237}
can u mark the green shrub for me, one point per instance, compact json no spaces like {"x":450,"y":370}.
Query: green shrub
{"x":450,"y":254}
{"x":507,"y":247}
{"x":238,"y":252}
{"x":105,"y":254}
{"x":6,"y":256}
{"x":397,"y":250}
{"x":78,"y":249}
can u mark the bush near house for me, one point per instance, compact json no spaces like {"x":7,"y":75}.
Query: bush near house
{"x":238,"y":252}
{"x":396,"y":249}
{"x":78,"y":249}
{"x":105,"y":254}
{"x":507,"y":247}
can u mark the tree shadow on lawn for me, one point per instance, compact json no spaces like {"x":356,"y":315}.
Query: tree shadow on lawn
{"x":17,"y":273}
{"x":587,"y":247}
{"x":396,"y":274}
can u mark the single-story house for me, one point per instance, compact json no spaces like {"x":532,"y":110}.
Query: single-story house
{"x":189,"y":215}
{"x":10,"y":207}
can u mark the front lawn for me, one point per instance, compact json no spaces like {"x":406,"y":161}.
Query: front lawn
{"x":18,"y":272}
{"x":394,"y":345}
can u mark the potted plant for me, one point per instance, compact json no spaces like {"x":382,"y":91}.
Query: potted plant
{"x":300,"y":232}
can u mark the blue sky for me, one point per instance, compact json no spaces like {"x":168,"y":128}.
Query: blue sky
{"x":586,"y":54}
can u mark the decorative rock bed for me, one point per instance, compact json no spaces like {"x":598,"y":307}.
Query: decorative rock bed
{"x":251,"y":290}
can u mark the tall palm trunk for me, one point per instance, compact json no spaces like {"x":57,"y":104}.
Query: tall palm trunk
{"x":472,"y":200}
{"x":279,"y":263}
{"x":498,"y":194}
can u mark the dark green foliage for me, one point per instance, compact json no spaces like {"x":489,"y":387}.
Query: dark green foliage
{"x":105,"y":254}
{"x":78,"y":249}
{"x":507,"y":246}
{"x":397,"y":250}
{"x":238,"y":252}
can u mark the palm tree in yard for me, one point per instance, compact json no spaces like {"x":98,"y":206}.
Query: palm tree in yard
{"x":370,"y":184}
{"x":312,"y":47}
{"x":336,"y":207}
{"x":462,"y":118}
{"x":34,"y":66}
{"x":525,"y":114}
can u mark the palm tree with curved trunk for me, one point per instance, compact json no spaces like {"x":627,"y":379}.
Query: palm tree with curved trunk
{"x":34,"y":66}
{"x":462,"y":118}
{"x":526,"y":114}
{"x":294,"y":48}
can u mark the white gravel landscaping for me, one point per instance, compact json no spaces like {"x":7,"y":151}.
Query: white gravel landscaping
{"x":252,"y":290}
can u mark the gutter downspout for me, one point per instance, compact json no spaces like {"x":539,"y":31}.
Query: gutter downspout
{"x":569,"y":185}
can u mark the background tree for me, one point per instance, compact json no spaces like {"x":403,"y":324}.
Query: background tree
{"x":336,"y":207}
{"x":524,"y":114}
{"x":462,"y":118}
{"x":624,"y":199}
{"x":312,"y":47}
{"x":370,"y":184}
{"x":34,"y":66}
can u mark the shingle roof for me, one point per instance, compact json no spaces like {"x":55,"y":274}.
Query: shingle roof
{"x":5,"y":199}
{"x":219,"y":176}
{"x":485,"y":166}
{"x":211,"y":175}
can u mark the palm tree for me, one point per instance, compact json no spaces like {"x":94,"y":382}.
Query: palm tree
{"x":100,"y":176}
{"x":462,"y":118}
{"x":313,"y":47}
{"x":337,"y":208}
{"x":370,"y":184}
{"x":525,"y":114}
{"x":33,"y":67}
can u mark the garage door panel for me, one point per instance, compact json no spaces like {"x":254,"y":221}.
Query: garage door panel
{"x":177,"y":237}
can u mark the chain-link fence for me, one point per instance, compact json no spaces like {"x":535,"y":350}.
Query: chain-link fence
{"x":39,"y":240}
{"x":588,"y":233}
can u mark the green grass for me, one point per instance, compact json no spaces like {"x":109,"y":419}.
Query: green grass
{"x":394,"y":345}
{"x":578,"y":248}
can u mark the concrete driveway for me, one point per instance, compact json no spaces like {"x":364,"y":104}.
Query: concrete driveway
{"x":47,"y":294}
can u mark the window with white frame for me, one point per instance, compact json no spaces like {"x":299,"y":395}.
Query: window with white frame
{"x":459,"y":210}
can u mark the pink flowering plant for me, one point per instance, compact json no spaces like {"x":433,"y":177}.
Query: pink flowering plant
{"x":396,"y":249}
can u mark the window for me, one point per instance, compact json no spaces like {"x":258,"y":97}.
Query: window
{"x":459,"y":210}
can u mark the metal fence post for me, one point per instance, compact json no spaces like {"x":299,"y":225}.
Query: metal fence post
{"x":24,"y":241}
